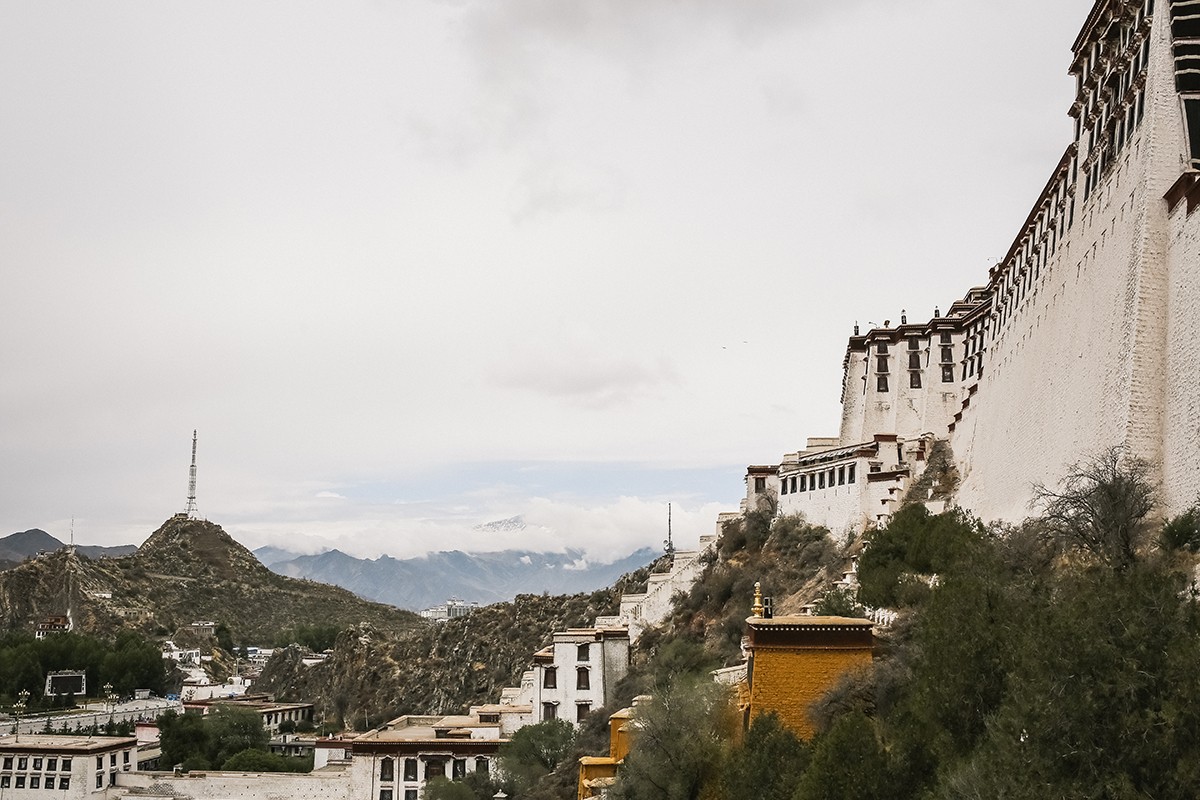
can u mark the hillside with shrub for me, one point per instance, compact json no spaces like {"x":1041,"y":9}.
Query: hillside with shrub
{"x":1051,"y":659}
{"x":374,"y":675}
{"x":187,"y":570}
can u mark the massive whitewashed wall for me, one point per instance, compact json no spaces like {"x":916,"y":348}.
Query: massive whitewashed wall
{"x":1078,"y":354}
{"x":1084,"y":336}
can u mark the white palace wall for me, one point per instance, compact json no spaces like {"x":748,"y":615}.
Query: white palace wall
{"x":1079,"y":364}
{"x":1181,"y":430}
{"x":1084,"y":336}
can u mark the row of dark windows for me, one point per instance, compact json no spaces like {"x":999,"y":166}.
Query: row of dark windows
{"x":550,"y":711}
{"x":388,"y":794}
{"x":812,"y":481}
{"x":112,"y":759}
{"x":914,"y":379}
{"x":59,"y":782}
{"x":583,"y":679}
{"x":914,"y":359}
{"x":434,"y":768}
{"x":51,"y":764}
{"x":914,"y":342}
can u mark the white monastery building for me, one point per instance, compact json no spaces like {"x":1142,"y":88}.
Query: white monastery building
{"x":1083,"y":337}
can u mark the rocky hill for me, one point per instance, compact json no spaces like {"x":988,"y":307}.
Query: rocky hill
{"x":186,"y":571}
{"x":373,"y":675}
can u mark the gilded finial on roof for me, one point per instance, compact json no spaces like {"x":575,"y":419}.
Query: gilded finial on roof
{"x":757,"y":608}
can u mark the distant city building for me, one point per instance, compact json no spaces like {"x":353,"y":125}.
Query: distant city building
{"x":451,"y":609}
{"x":401,"y":756}
{"x":53,"y":625}
{"x":273,"y":714}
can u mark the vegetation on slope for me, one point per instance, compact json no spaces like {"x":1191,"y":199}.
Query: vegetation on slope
{"x":187,"y":570}
{"x":795,"y":562}
{"x":1054,"y":659}
{"x":443,"y":668}
{"x":229,"y":738}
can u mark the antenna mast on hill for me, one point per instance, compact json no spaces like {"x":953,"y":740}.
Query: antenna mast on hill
{"x":191,"y":501}
{"x":669,"y":544}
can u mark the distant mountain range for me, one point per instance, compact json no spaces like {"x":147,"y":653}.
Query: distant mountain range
{"x":187,"y":570}
{"x":411,"y":583}
{"x":17,"y":547}
{"x":417,"y":583}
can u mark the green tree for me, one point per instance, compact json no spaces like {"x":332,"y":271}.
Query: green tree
{"x":847,"y":762}
{"x":535,"y":750}
{"x":839,"y":602}
{"x":446,"y":789}
{"x":1102,"y":700}
{"x":767,"y":764}
{"x":232,"y":730}
{"x":1102,"y":506}
{"x":224,"y":637}
{"x":184,"y":739}
{"x":895,"y":568}
{"x":1182,"y":532}
{"x":680,"y":741}
{"x":253,"y":760}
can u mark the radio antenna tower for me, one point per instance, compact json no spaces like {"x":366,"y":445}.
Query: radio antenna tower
{"x":191,"y":503}
{"x":669,"y":544}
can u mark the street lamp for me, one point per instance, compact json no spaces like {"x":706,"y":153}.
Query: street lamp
{"x":19,"y":707}
{"x":110,"y":699}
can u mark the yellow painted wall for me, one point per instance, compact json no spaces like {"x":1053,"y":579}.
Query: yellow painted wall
{"x":591,"y":768}
{"x":787,"y":681}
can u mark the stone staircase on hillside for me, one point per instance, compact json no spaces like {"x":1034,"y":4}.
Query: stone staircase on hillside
{"x":647,"y":609}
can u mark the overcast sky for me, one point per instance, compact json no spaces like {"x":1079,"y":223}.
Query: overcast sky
{"x":414,"y":266}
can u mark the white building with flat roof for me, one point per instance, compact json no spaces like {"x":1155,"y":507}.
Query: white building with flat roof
{"x":69,"y":767}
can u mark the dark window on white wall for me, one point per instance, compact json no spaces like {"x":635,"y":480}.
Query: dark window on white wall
{"x":881,"y":384}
